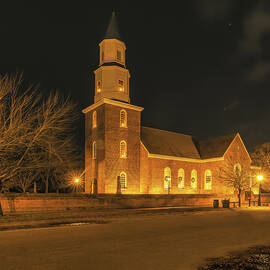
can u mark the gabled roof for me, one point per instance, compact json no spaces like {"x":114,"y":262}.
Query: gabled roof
{"x":168,"y":143}
{"x":214,"y":147}
{"x":112,"y":30}
{"x":161,"y":142}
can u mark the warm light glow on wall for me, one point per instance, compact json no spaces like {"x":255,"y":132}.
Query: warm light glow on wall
{"x":99,"y":87}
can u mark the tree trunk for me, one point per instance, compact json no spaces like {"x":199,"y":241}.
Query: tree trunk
{"x":47,"y":182}
{"x":239,"y":197}
{"x":35,"y":187}
{"x":1,"y":210}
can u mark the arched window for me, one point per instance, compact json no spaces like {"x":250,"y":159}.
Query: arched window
{"x":94,"y":150}
{"x":123,"y":118}
{"x":123,"y":149}
{"x":237,"y":170}
{"x":181,"y":178}
{"x":99,"y":86}
{"x":167,"y":178}
{"x":208,"y":180}
{"x":123,"y":180}
{"x":193,"y":181}
{"x":94,"y":119}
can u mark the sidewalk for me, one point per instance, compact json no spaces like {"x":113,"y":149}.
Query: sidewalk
{"x":76,"y":217}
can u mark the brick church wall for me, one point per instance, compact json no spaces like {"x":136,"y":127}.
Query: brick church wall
{"x":152,"y":172}
{"x":114,"y":165}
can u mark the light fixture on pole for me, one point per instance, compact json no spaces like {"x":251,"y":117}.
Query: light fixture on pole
{"x":259,"y":178}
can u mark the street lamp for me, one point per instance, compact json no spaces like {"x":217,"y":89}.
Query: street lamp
{"x":259,"y":178}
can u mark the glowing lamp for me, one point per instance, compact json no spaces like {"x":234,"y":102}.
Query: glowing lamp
{"x":76,"y":180}
{"x":259,"y":177}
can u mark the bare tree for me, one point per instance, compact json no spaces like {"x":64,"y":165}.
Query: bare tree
{"x":236,"y":176}
{"x":36,"y":133}
{"x":261,"y":158}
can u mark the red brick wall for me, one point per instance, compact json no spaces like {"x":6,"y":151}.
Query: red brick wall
{"x":152,"y":172}
{"x":95,"y":167}
{"x":108,"y":164}
{"x":19,"y":203}
{"x":113,"y":135}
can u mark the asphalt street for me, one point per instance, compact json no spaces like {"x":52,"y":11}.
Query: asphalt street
{"x":166,"y":241}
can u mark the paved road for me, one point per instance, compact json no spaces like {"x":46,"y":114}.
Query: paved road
{"x":168,"y":241}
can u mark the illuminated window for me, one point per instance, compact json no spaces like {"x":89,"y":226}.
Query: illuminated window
{"x":121,"y":86}
{"x":208,"y":180}
{"x":237,"y":170}
{"x":123,"y":118}
{"x":167,"y":178}
{"x":94,"y":119}
{"x":123,"y":149}
{"x":99,"y":86}
{"x":118,"y":55}
{"x":94,"y":150}
{"x":181,"y":178}
{"x":123,"y":180}
{"x":193,"y":181}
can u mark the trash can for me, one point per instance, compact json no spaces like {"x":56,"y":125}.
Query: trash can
{"x":216,"y":203}
{"x":226,"y":203}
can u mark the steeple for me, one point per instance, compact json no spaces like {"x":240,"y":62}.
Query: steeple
{"x":112,"y":77}
{"x":112,"y":30}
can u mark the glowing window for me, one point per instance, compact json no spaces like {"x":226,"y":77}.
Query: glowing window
{"x":121,"y":86}
{"x":118,"y":55}
{"x":193,"y":181}
{"x":123,"y":180}
{"x":181,"y":178}
{"x":123,"y":149}
{"x":94,"y":150}
{"x":237,"y":170}
{"x":94,"y":119}
{"x":123,"y":118}
{"x":167,"y":178}
{"x":99,"y":86}
{"x":208,"y":180}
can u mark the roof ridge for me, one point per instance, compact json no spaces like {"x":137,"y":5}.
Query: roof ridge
{"x":168,"y":131}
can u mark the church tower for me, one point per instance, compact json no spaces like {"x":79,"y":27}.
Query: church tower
{"x":112,"y":124}
{"x":112,"y":77}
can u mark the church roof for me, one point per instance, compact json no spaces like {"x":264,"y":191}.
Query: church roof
{"x":215,"y":147}
{"x":112,"y":30}
{"x":162,"y":142}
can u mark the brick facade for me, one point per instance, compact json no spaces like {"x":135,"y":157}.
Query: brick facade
{"x":149,"y":151}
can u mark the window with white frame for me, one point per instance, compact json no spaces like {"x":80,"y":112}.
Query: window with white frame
{"x":123,"y":149}
{"x":123,"y":180}
{"x":94,"y":150}
{"x":94,"y":119}
{"x":193,"y":180}
{"x":237,"y":170}
{"x":181,"y":178}
{"x":167,"y":178}
{"x":208,"y":180}
{"x":123,"y":118}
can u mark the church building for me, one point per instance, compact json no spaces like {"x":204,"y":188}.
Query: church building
{"x":123,"y":156}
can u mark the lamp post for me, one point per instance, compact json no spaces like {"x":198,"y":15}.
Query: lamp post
{"x":259,"y":178}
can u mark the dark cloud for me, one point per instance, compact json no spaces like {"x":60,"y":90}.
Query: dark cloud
{"x":256,"y":26}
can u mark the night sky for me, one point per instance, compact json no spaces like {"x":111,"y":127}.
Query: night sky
{"x":200,"y":68}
